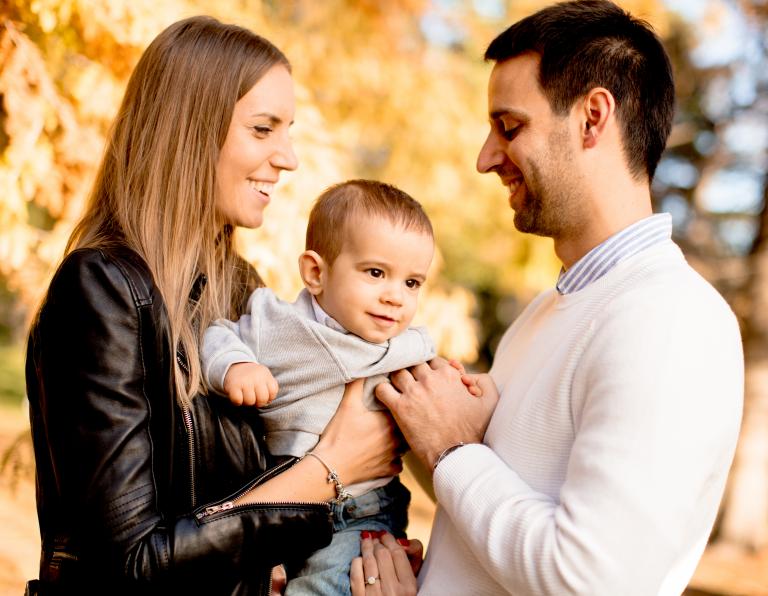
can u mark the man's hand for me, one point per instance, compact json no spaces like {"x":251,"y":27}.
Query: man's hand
{"x":250,"y":384}
{"x":434,"y":408}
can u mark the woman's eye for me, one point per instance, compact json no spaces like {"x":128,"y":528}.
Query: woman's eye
{"x":377,"y":273}
{"x":413,"y":284}
{"x":261,"y":131}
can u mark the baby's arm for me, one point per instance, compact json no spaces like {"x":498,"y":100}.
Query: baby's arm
{"x":230,"y":367}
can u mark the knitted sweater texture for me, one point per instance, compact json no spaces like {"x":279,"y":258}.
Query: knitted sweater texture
{"x":310,"y":361}
{"x":605,"y":461}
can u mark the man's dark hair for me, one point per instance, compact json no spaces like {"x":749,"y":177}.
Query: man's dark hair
{"x":593,"y":43}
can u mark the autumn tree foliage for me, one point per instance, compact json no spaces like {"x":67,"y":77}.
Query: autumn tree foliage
{"x":390,"y":90}
{"x":64,"y":66}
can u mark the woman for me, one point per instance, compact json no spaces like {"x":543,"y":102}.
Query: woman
{"x":144,"y":486}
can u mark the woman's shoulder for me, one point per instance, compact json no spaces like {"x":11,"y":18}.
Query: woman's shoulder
{"x":94,"y":268}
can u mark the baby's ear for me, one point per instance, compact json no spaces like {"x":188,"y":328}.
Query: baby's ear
{"x":312,"y":269}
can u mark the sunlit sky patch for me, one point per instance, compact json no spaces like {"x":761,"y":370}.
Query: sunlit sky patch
{"x":748,"y":133}
{"x":677,"y":172}
{"x":490,"y":9}
{"x":721,"y":27}
{"x":728,"y":41}
{"x":734,"y":190}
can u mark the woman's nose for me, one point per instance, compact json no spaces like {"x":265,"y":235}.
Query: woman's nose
{"x":284,"y":157}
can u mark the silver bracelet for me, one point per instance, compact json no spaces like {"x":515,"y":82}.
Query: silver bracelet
{"x":444,"y":453}
{"x":342,"y":494}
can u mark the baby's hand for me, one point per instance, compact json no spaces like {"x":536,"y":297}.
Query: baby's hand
{"x":470,"y":381}
{"x":472,"y":384}
{"x":250,"y":384}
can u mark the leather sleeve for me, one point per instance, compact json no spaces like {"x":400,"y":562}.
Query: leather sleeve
{"x":97,"y":422}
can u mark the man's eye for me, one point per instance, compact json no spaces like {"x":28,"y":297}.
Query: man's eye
{"x":413,"y":284}
{"x":377,"y":273}
{"x":510,"y":133}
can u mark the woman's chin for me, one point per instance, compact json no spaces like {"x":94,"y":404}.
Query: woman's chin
{"x":250,"y":223}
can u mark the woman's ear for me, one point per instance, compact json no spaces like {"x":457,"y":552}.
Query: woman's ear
{"x":599,"y":108}
{"x":312,"y":269}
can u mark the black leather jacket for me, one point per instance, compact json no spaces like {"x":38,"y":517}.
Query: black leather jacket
{"x":128,"y":482}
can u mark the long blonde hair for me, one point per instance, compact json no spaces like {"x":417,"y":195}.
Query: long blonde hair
{"x":155,"y":187}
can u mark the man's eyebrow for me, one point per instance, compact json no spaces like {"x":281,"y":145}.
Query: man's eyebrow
{"x":516,"y":114}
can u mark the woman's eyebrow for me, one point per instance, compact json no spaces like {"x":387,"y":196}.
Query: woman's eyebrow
{"x":273,"y":119}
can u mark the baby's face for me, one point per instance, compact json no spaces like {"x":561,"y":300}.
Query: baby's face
{"x":372,"y":288}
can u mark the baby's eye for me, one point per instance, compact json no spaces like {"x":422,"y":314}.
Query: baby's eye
{"x":413,"y":284}
{"x":373,"y":272}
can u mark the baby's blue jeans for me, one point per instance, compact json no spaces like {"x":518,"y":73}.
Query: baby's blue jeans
{"x":326,"y":572}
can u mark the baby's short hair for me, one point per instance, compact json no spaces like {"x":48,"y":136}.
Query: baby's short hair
{"x":342,"y":202}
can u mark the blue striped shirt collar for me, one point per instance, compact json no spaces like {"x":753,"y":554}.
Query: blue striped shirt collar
{"x":606,"y":255}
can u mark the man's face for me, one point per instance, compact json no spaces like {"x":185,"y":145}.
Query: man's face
{"x":531,"y":149}
{"x":372,"y":288}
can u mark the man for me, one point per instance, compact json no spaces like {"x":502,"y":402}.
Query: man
{"x":604,"y":462}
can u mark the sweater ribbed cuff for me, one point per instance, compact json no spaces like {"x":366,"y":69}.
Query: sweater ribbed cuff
{"x":465,"y":470}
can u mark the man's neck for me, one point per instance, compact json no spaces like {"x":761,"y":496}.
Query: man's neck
{"x":603,"y":223}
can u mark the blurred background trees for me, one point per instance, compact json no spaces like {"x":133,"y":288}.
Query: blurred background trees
{"x":713,"y":181}
{"x":396,"y":90}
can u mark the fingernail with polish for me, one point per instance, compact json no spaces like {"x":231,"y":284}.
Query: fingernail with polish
{"x":403,"y":541}
{"x":365,"y":534}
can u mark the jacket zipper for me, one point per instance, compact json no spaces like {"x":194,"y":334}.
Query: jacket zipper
{"x":229,"y":503}
{"x":187,"y":415}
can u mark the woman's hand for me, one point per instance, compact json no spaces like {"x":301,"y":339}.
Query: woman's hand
{"x":360,"y":444}
{"x":385,"y":567}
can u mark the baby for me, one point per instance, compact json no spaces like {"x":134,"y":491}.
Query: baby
{"x":368,"y":248}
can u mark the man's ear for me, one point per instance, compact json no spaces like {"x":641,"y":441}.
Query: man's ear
{"x":312,"y":269}
{"x":598,"y":109}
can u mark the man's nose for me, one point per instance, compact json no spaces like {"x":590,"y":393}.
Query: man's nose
{"x":491,"y":154}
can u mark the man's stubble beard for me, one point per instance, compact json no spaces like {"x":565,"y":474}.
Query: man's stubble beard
{"x":550,"y":207}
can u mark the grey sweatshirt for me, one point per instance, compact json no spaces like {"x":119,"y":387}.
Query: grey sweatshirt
{"x":310,"y":361}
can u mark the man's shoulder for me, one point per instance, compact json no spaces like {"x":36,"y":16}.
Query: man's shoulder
{"x":669,"y":280}
{"x":668,"y":305}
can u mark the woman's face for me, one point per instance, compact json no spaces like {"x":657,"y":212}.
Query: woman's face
{"x":256,"y":150}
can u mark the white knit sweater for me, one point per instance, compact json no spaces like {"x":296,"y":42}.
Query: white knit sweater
{"x":605,"y":461}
